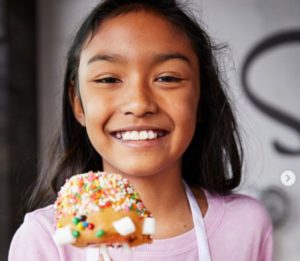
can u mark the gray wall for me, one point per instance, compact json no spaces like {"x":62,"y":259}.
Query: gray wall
{"x":274,"y":78}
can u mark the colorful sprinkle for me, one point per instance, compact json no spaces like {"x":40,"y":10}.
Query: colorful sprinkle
{"x":88,"y":193}
{"x":75,"y":233}
{"x":75,"y":220}
{"x":100,"y":233}
{"x":80,"y":226}
{"x":91,"y":226}
{"x":83,"y":218}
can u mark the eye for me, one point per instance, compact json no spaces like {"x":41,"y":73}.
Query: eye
{"x":107,"y":80}
{"x":168,"y":78}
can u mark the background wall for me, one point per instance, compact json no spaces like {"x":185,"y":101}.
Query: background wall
{"x":274,"y":77}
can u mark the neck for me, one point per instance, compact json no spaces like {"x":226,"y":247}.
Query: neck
{"x":165,"y":197}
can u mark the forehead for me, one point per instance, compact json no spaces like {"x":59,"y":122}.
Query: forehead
{"x":136,"y":33}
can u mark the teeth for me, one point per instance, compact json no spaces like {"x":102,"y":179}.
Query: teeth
{"x":139,"y":135}
{"x":143,"y":135}
{"x":126,"y":135}
{"x":151,"y":135}
{"x":134,"y":135}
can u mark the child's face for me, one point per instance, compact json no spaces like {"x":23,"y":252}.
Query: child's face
{"x":138,"y":73}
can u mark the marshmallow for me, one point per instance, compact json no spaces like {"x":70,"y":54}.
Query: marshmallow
{"x":63,"y":236}
{"x":149,"y":226}
{"x":124,"y":226}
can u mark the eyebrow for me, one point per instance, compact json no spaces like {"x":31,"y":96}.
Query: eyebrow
{"x":105,"y":57}
{"x":158,"y":58}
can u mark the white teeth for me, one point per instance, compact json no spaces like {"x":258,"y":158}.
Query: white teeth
{"x":143,"y":135}
{"x":152,"y":134}
{"x":134,"y":135}
{"x":126,"y":135}
{"x":139,"y":135}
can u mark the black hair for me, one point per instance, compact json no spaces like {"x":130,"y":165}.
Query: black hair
{"x":212,"y":161}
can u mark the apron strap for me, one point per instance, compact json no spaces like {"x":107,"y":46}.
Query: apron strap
{"x":203,"y":248}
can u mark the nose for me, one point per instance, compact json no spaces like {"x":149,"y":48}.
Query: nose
{"x":139,"y":100}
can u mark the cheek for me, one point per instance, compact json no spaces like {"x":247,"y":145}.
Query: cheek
{"x":185,"y":108}
{"x":96,"y":111}
{"x":184,"y":112}
{"x":186,"y":121}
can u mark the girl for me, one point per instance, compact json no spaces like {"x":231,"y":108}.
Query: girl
{"x":143,"y":98}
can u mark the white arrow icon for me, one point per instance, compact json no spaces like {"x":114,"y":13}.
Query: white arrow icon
{"x":288,"y":178}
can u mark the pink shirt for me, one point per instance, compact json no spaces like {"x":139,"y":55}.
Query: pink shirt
{"x":238,"y":229}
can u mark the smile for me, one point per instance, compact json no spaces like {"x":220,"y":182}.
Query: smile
{"x":139,"y":135}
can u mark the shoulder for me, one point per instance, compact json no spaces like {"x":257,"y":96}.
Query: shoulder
{"x":238,"y":221}
{"x":34,"y":237}
{"x":239,"y":210}
{"x":248,"y":208}
{"x":42,"y":218}
{"x":45,"y":213}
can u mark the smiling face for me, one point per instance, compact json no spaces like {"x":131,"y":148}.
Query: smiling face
{"x":139,"y":87}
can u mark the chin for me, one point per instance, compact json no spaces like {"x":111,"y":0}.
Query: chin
{"x":142,"y":166}
{"x":136,"y":170}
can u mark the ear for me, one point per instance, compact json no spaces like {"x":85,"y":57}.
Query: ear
{"x":75,"y":101}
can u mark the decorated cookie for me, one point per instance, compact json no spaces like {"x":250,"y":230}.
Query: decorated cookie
{"x":101,"y":209}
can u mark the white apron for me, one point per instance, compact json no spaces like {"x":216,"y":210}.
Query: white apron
{"x":203,"y":249}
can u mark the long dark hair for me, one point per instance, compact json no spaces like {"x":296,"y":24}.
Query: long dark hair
{"x":214,"y":158}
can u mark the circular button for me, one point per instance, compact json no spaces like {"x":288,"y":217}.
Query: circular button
{"x":288,"y":178}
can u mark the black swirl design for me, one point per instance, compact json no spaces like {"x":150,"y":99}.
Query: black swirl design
{"x":278,"y":115}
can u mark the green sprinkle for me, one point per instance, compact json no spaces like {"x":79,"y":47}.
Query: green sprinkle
{"x":100,"y":233}
{"x":75,"y":233}
{"x":75,"y":220}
